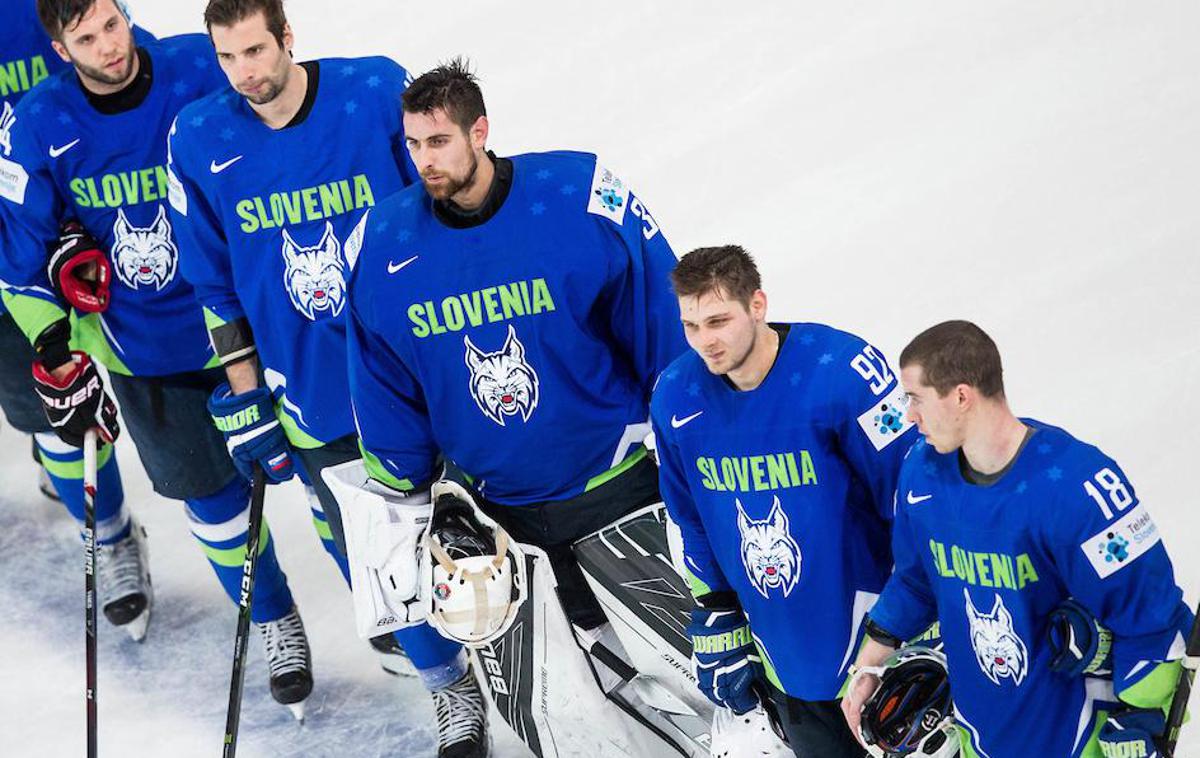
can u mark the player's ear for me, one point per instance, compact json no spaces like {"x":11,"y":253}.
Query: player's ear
{"x":61,"y":49}
{"x":758,"y":305}
{"x":289,"y":39}
{"x":479,"y":133}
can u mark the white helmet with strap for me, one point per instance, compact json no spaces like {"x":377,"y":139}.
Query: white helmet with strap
{"x":475,"y":572}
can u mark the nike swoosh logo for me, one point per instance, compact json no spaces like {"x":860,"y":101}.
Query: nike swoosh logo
{"x":217,"y":168}
{"x":913,"y":500}
{"x":678,"y":422}
{"x":57,"y":151}
{"x":394,"y":267}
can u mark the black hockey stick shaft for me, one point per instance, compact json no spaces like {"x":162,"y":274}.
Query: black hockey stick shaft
{"x":1183,"y":690}
{"x":234,"y":712}
{"x":89,"y":583}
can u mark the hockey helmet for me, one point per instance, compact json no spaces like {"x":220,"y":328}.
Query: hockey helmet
{"x":476,"y":572}
{"x":911,"y":712}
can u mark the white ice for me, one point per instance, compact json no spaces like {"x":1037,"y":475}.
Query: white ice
{"x":1030,"y":166}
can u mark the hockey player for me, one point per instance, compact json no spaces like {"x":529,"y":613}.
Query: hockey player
{"x":778,"y":446}
{"x":275,"y":179}
{"x":998,"y":520}
{"x":89,"y":146}
{"x":27,"y":58}
{"x":513,"y":315}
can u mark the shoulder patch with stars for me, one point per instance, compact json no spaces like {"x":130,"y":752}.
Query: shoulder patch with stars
{"x":608,"y":196}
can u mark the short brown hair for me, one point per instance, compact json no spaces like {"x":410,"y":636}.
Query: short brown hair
{"x":229,"y":12}
{"x":710,"y":269}
{"x":954,"y":353}
{"x":451,"y":87}
{"x":57,"y":15}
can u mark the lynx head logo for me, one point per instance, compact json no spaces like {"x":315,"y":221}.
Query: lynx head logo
{"x":998,"y":650}
{"x":770,"y":555}
{"x":7,"y":120}
{"x":315,"y":276}
{"x":144,"y":256}
{"x":502,"y":383}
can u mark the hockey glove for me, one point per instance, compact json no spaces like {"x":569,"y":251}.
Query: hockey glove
{"x":77,"y":402}
{"x":1132,"y":731}
{"x":252,"y":432}
{"x":724,"y":657}
{"x":79,"y":269}
{"x":1080,"y":645}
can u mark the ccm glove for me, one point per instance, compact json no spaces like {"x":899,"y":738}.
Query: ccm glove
{"x":1132,"y":731}
{"x":79,"y":269}
{"x":1079,"y":643}
{"x":252,"y":432}
{"x":77,"y":402}
{"x":724,"y":657}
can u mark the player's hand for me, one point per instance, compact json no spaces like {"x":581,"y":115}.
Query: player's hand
{"x":862,"y":686}
{"x":79,"y":269}
{"x":1132,"y":731}
{"x":74,"y":400}
{"x":1079,"y":643}
{"x":252,"y":432}
{"x":724,"y":657}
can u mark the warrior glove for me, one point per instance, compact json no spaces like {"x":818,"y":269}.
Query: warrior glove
{"x":77,"y":402}
{"x":79,"y":269}
{"x":1132,"y":731}
{"x":252,"y":432}
{"x":724,"y":658}
{"x":1079,"y":643}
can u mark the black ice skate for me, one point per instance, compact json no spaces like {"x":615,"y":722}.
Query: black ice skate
{"x":462,"y":720}
{"x":123,"y":578}
{"x":288,"y":660}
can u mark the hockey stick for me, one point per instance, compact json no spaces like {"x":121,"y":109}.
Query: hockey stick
{"x":1183,"y":690}
{"x":89,"y":581}
{"x":234,"y":712}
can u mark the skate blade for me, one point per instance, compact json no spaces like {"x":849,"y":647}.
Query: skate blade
{"x":297,"y":710}
{"x":397,"y":665}
{"x":136,"y":629}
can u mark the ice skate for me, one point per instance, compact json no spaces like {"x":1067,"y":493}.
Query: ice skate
{"x":462,"y":720}
{"x":392,"y":657}
{"x":123,"y":578}
{"x":289,"y":661}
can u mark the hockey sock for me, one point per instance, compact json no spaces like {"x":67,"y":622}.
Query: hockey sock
{"x":219,"y":522}
{"x":326,"y":535}
{"x":439,"y":661}
{"x":64,"y":465}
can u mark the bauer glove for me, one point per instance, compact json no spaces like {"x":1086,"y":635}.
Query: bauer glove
{"x":252,"y":432}
{"x":724,"y":657}
{"x":79,"y":269}
{"x":77,"y":402}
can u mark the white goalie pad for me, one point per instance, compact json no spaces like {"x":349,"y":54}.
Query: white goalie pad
{"x":383,"y":536}
{"x":543,"y":686}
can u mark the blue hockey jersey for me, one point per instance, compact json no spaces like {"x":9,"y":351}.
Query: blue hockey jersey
{"x":784,"y":495}
{"x":272,"y":223}
{"x":109,"y":171}
{"x":992,"y":562}
{"x":523,"y":348}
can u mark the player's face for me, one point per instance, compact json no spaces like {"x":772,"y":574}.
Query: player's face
{"x":256,"y":65}
{"x":722,"y":330}
{"x":939,"y":419}
{"x":100,"y":45}
{"x":446,"y":156}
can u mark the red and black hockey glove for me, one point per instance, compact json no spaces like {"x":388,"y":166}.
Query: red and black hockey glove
{"x":77,"y":402}
{"x":79,"y":269}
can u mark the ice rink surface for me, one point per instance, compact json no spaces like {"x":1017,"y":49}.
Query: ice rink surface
{"x":1031,"y":167}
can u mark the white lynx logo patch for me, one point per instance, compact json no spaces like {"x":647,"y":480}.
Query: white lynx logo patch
{"x":998,"y":650}
{"x":315,"y":276}
{"x":502,"y":383}
{"x":7,"y":120}
{"x":144,"y":257}
{"x":770,"y":555}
